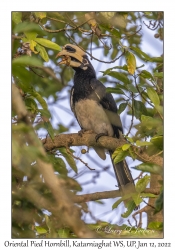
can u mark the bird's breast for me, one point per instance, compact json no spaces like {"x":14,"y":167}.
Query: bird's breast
{"x":91,"y":116}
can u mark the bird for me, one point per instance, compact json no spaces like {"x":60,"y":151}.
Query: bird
{"x":95,"y":109}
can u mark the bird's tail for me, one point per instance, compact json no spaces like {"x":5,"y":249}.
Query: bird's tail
{"x":123,"y":176}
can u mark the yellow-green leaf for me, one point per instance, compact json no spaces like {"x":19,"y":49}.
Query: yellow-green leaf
{"x":40,"y":14}
{"x":47,"y":43}
{"x":40,"y":230}
{"x":125,"y":147}
{"x":42,"y":52}
{"x":16,"y":17}
{"x":143,"y":143}
{"x":137,"y":199}
{"x":30,"y":35}
{"x":131,"y":62}
{"x":158,"y":141}
{"x":119,"y":155}
{"x":32,"y":46}
{"x":153,"y":96}
{"x":142,"y":183}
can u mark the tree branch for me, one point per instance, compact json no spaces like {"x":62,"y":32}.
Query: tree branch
{"x":106,"y":195}
{"x":65,"y":140}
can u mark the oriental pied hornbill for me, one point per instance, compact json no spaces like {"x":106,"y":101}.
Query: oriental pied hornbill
{"x":94,"y":108}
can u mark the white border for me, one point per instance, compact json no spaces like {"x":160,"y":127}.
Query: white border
{"x":5,"y":95}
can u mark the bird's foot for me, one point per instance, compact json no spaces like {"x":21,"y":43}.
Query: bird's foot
{"x":84,"y":131}
{"x":97,"y":137}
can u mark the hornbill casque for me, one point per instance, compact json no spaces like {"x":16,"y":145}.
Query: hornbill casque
{"x":95,"y":108}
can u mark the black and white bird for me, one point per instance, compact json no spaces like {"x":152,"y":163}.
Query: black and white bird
{"x":95,"y":108}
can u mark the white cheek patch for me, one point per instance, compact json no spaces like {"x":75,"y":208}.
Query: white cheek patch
{"x":84,"y":68}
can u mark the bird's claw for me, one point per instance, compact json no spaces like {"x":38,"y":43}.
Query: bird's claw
{"x":97,"y":137}
{"x":84,"y":131}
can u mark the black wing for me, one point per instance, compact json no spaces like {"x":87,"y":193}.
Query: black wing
{"x":109,"y":105}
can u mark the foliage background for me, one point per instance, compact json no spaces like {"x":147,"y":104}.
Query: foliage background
{"x":36,"y":89}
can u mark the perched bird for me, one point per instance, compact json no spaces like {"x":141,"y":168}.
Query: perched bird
{"x":95,"y":108}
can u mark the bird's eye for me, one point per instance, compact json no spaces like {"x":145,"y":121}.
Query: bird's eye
{"x":85,"y":61}
{"x":70,"y":49}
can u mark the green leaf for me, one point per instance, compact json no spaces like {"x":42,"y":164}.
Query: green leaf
{"x":64,"y":233}
{"x":126,"y":146}
{"x":155,"y":225}
{"x":157,"y":141}
{"x":129,"y":139}
{"x":119,"y":155}
{"x":130,"y":207}
{"x":27,"y":61}
{"x":31,"y":104}
{"x":42,"y":52}
{"x":70,"y":160}
{"x":124,"y":67}
{"x":132,"y":153}
{"x":49,"y":128}
{"x":26,"y":27}
{"x":50,"y":224}
{"x":122,"y":107}
{"x":30,"y":35}
{"x":159,"y":203}
{"x":47,"y":43}
{"x":140,"y":53}
{"x":157,"y":59}
{"x":23,"y":75}
{"x":150,"y":122}
{"x":139,"y":109}
{"x":148,"y":195}
{"x":16,"y":17}
{"x":120,"y":76}
{"x":143,"y":143}
{"x":115,"y":205}
{"x":153,"y":96}
{"x":40,"y":230}
{"x":142,"y":183}
{"x":137,"y":199}
{"x":132,"y":88}
{"x":45,"y":113}
{"x":58,"y":164}
{"x":158,"y":74}
{"x":131,"y":62}
{"x":114,"y":90}
{"x":39,"y":98}
{"x":146,"y":74}
{"x":150,"y":168}
{"x":113,"y":31}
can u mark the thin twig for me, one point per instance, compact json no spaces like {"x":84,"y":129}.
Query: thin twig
{"x":137,"y":31}
{"x":132,"y":119}
{"x":36,"y":72}
{"x":77,"y":158}
{"x":112,"y":61}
